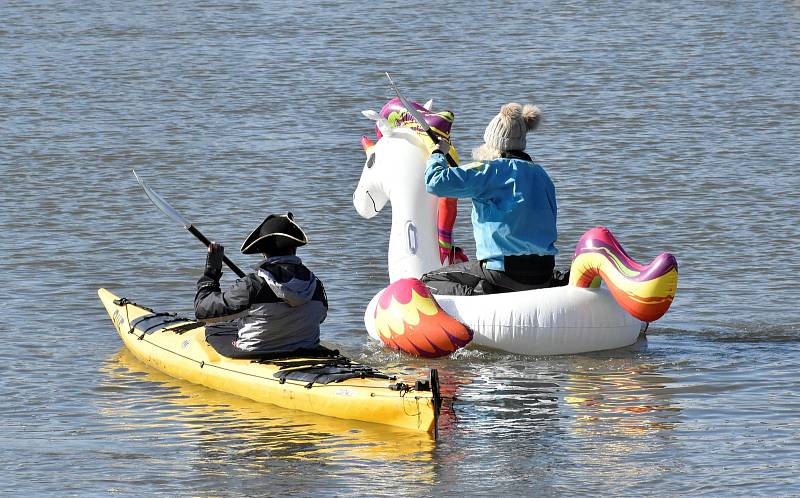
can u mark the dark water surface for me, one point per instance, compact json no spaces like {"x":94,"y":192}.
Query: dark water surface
{"x":675,"y":124}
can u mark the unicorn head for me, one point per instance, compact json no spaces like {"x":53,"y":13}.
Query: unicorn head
{"x":394,"y":172}
{"x":372,"y":192}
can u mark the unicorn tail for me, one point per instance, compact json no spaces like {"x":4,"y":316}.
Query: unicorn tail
{"x":646,"y":292}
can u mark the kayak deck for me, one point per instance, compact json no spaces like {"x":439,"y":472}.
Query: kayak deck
{"x":178,"y":347}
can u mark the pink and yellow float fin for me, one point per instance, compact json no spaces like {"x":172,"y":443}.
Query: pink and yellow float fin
{"x":407,"y":318}
{"x":646,"y":292}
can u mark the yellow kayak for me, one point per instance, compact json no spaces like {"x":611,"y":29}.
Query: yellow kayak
{"x":326,"y":385}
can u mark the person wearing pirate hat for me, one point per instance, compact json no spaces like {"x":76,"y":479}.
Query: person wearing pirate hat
{"x":513,"y":211}
{"x":275,"y":309}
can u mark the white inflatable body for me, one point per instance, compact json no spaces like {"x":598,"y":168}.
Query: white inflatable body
{"x":561,"y":320}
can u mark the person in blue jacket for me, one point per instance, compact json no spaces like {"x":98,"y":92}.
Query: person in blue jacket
{"x":513,"y":211}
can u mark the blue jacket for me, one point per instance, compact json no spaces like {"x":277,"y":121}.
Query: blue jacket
{"x":513,"y":205}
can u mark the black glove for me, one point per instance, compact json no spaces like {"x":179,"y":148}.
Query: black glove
{"x":214,"y":261}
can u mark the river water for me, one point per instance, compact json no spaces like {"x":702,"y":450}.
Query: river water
{"x":675,"y":124}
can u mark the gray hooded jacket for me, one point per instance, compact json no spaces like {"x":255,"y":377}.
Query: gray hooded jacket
{"x":277,"y":308}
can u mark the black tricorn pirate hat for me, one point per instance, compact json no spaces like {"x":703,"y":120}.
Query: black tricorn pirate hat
{"x":277,"y":233}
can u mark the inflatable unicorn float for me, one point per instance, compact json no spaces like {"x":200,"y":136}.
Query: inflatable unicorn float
{"x":579,"y":317}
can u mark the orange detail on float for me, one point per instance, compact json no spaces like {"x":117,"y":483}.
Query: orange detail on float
{"x":408,"y":319}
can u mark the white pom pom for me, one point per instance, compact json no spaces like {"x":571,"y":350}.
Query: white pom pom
{"x":532,"y":116}
{"x":511,"y":111}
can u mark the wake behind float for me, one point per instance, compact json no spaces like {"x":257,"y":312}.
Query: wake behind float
{"x":329,"y":385}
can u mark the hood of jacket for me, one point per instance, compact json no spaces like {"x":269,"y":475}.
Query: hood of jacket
{"x":288,"y":278}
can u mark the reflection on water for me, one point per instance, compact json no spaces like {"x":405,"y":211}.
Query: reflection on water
{"x":627,"y":395}
{"x":607,"y":392}
{"x":630,"y":401}
{"x":227,"y":428}
{"x":556,"y":423}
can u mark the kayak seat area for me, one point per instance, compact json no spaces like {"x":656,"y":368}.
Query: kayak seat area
{"x":319,"y":365}
{"x":221,"y":337}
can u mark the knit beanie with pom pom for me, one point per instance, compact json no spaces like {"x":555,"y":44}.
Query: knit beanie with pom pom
{"x":507,"y":130}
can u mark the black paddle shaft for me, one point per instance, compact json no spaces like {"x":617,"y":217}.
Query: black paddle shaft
{"x":202,"y":238}
{"x":436,"y":139}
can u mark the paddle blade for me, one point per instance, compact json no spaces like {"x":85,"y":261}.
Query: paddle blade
{"x":409,"y":108}
{"x":161,"y":203}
